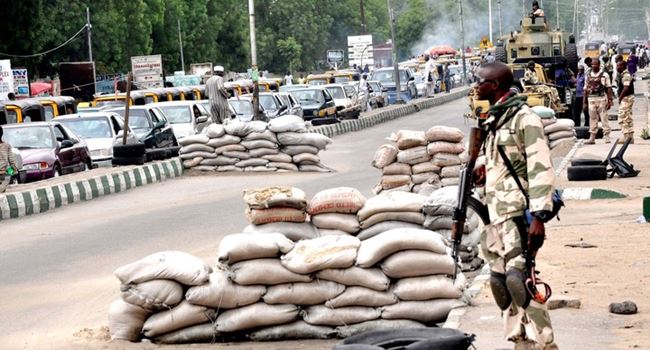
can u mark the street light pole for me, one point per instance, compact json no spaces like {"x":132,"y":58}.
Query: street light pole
{"x":256,"y":85}
{"x":489,"y":20}
{"x":557,"y":13}
{"x":398,"y":86}
{"x":500,"y":19}
{"x":90,"y":46}
{"x":462,"y":40}
{"x":180,"y":43}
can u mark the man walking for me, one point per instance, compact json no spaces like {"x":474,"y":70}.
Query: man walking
{"x":6,"y":160}
{"x":598,"y":93}
{"x":625,"y":85}
{"x":580,"y":93}
{"x":516,"y":154}
{"x":632,"y":63}
{"x":218,"y":96}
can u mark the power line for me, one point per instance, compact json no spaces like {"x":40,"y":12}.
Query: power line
{"x":48,"y":51}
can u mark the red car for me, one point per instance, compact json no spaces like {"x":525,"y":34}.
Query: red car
{"x":48,"y":149}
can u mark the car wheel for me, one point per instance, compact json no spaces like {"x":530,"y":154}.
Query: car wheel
{"x":57,"y":171}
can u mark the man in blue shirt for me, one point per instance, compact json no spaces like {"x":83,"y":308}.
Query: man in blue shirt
{"x":580,"y":93}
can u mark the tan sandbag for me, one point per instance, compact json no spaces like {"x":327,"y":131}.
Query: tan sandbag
{"x":172,"y":265}
{"x":322,"y":315}
{"x":247,"y":246}
{"x":191,"y":163}
{"x":230,"y":148}
{"x":197,"y":154}
{"x":385,"y":155}
{"x":328,"y":252}
{"x":195,"y":147}
{"x":264,"y":271}
{"x":330,"y":232}
{"x":436,"y":223}
{"x":445,"y":147}
{"x":259,"y":169}
{"x":125,"y":320}
{"x":214,"y":131}
{"x":275,"y":196}
{"x":393,"y":181}
{"x":391,"y":202}
{"x":412,"y":217}
{"x":444,"y":133}
{"x":371,"y":278}
{"x":548,"y":121}
{"x":280,"y":158}
{"x":253,"y":144}
{"x":275,"y":214}
{"x":450,"y":181}
{"x":267,"y":135}
{"x":303,"y":293}
{"x":375,"y":249}
{"x":428,"y":311}
{"x":200,"y":333}
{"x":375,"y":325}
{"x":292,"y":230}
{"x":314,"y":168}
{"x":425,"y":167}
{"x":181,"y":316}
{"x":306,"y":157}
{"x":219,"y":161}
{"x":224,"y":140}
{"x":413,"y":155}
{"x":405,"y":188}
{"x":261,"y":152}
{"x":153,"y":295}
{"x":408,"y":139}
{"x":221,"y":293}
{"x":237,"y":154}
{"x":194,"y":139}
{"x":413,"y":263}
{"x":242,"y":129}
{"x":446,"y":159}
{"x":287,"y":123}
{"x":450,"y":171}
{"x":309,"y":138}
{"x":430,"y":287}
{"x":256,"y":315}
{"x":423,"y":177}
{"x":336,"y":221}
{"x":562,"y":124}
{"x":252,"y":162}
{"x":397,"y":169}
{"x":360,"y":296}
{"x":298,"y":149}
{"x":426,"y":189}
{"x":346,"y":200}
{"x":569,"y":141}
{"x":383,"y":227}
{"x":297,"y":330}
{"x":283,"y":166}
{"x":563,"y":134}
{"x":441,"y":201}
{"x":229,"y":168}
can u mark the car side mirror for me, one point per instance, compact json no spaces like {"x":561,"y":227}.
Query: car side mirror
{"x":67,"y":144}
{"x":201,"y":119}
{"x":411,"y":78}
{"x":384,"y":90}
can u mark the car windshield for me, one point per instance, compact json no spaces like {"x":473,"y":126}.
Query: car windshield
{"x":336,"y":92}
{"x":592,"y":46}
{"x":177,"y":114}
{"x":116,"y":102}
{"x":28,"y":137}
{"x":350,"y":90}
{"x":137,"y":118}
{"x":89,"y":128}
{"x":386,"y":76}
{"x":342,"y":79}
{"x":242,"y":107}
{"x":375,"y":87}
{"x":309,"y":96}
{"x":268,"y":102}
{"x":318,"y":82}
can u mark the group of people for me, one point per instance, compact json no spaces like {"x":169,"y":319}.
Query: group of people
{"x":437,"y":76}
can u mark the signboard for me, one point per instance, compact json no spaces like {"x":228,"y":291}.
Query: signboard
{"x":335,"y":56}
{"x":106,"y":83}
{"x":147,"y":71}
{"x":6,"y":79}
{"x":21,"y":82}
{"x":201,"y":69}
{"x":77,"y":79}
{"x":360,"y":50}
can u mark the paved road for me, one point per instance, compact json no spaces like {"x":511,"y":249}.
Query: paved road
{"x":56,"y":268}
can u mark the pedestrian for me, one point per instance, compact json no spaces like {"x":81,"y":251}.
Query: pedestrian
{"x":288,"y":78}
{"x":440,"y":77}
{"x":509,"y":236}
{"x":608,"y":68}
{"x":632,"y":63}
{"x":429,"y":67}
{"x":366,"y":69}
{"x":447,"y":75}
{"x":625,"y":85}
{"x":218,"y":96}
{"x":7,"y":161}
{"x":598,"y":91}
{"x":563,"y":78}
{"x":577,"y":104}
{"x":301,"y":80}
{"x":11,"y":96}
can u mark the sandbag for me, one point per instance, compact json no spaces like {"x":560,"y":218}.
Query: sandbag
{"x":237,"y":154}
{"x":197,"y":154}
{"x":192,"y":139}
{"x":200,"y":333}
{"x":385,"y":155}
{"x":446,"y":222}
{"x":375,"y":325}
{"x":383,"y":227}
{"x":450,"y":181}
{"x":397,"y":169}
{"x":221,"y":293}
{"x":391,"y":202}
{"x":276,"y":214}
{"x":544,"y":112}
{"x":424,"y":311}
{"x":560,"y":125}
{"x":413,"y":263}
{"x":204,"y":167}
{"x":241,"y":129}
{"x":329,"y":252}
{"x":312,"y":139}
{"x":284,"y":166}
{"x":280,"y":158}
{"x":337,"y":200}
{"x":267,"y":135}
{"x":253,"y":144}
{"x":445,"y":159}
{"x":153,"y":295}
{"x":219,"y":161}
{"x":413,"y":155}
{"x":297,"y":330}
{"x":313,"y":168}
{"x":264,"y":271}
{"x":426,"y":189}
{"x":275,"y":196}
{"x":260,"y":152}
{"x":125,"y":320}
{"x":181,"y":316}
{"x":306,"y":157}
{"x":301,"y":293}
{"x":450,"y":171}
{"x":445,"y":147}
{"x":430,"y":287}
{"x":444,"y":133}
{"x":569,"y":140}
{"x":331,"y":232}
{"x":360,"y":296}
{"x":394,"y":181}
{"x":446,"y":197}
{"x":322,"y":315}
{"x":253,"y":162}
{"x":230,"y":148}
{"x":246,"y":246}
{"x":287,"y":123}
{"x":229,"y":168}
{"x":224,"y":140}
{"x":375,"y":249}
{"x":371,"y":278}
{"x":171,"y":265}
{"x":561,"y":135}
{"x":408,"y":139}
{"x":425,"y":167}
{"x":335,"y":221}
{"x":298,"y":149}
{"x":214,"y":131}
{"x":412,"y":217}
{"x":423,"y":177}
{"x":405,"y":188}
{"x":256,"y":315}
{"x":195,"y":147}
{"x":547,"y":122}
{"x":293,"y":231}
{"x":191,"y":163}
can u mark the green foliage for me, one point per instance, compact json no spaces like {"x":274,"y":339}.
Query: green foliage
{"x":290,"y":51}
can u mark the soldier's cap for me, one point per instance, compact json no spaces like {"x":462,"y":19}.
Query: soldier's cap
{"x":531,"y":64}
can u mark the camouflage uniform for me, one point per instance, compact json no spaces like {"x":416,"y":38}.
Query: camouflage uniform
{"x":523,"y":139}
{"x":530,"y":77}
{"x":598,"y":102}
{"x":625,"y":108}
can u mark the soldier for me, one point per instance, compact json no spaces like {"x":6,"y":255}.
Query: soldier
{"x":515,"y":132}
{"x":530,"y":76}
{"x":625,"y":84}
{"x":531,"y":84}
{"x":537,"y":12}
{"x":598,"y":91}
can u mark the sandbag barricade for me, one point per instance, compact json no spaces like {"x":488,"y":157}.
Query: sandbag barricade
{"x":558,"y":132}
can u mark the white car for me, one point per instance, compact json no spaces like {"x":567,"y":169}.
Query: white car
{"x":346,"y":108}
{"x":186,"y":117}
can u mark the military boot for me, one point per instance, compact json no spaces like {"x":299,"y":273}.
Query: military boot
{"x":525,"y":345}
{"x":592,"y":139}
{"x":606,"y":137}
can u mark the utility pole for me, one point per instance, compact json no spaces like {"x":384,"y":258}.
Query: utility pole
{"x":90,"y":46}
{"x":255,"y":74}
{"x":575,"y":17}
{"x":500,"y":24}
{"x":523,"y":8}
{"x":489,"y":20}
{"x":364,"y":25}
{"x":180,"y":43}
{"x":462,"y":40}
{"x":557,"y":13}
{"x":398,"y":86}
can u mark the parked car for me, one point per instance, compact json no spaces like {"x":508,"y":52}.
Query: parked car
{"x":379,"y":93}
{"x":271,"y":105}
{"x":206,"y":105}
{"x":186,"y":117}
{"x":21,"y":174}
{"x":293,"y":106}
{"x":243,"y":107}
{"x":407,"y":83}
{"x":289,"y":88}
{"x":317,"y":105}
{"x":347,"y":105}
{"x":48,"y":149}
{"x":150,"y":126}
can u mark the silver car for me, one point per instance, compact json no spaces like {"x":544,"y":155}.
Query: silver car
{"x":293,"y":107}
{"x":186,"y":117}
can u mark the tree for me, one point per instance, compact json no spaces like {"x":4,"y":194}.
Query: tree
{"x":290,"y":51}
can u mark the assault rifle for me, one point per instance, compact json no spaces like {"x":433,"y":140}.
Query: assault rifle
{"x":477,"y":136}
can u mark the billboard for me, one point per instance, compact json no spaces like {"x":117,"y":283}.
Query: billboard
{"x":360,"y":50}
{"x":77,"y":79}
{"x":201,"y":69}
{"x":147,"y":71}
{"x":6,"y":79}
{"x":21,"y":82}
{"x":107,"y":83}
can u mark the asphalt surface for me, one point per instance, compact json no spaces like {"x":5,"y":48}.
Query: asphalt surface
{"x":56,"y":268}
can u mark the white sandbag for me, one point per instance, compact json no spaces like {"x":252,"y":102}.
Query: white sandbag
{"x":406,"y":188}
{"x":256,"y":315}
{"x":287,"y":123}
{"x":221,"y":293}
{"x":191,"y":163}
{"x":445,"y":159}
{"x":426,"y":189}
{"x":171,"y":265}
{"x":267,"y":135}
{"x":413,"y":155}
{"x":424,"y":311}
{"x":264,"y":271}
{"x":314,"y":168}
{"x":280,"y":157}
{"x":246,"y":246}
{"x":425,"y":167}
{"x":275,"y":196}
{"x":224,"y":140}
{"x":544,"y":112}
{"x":443,"y":197}
{"x":440,"y":222}
{"x":181,"y":316}
{"x":329,"y":252}
{"x":214,"y":131}
{"x":445,"y":147}
{"x":125,"y":320}
{"x":197,"y":154}
{"x":397,"y":169}
{"x":306,"y":157}
{"x":569,"y":140}
{"x":293,"y":231}
{"x":371,"y":278}
{"x":204,"y":167}
{"x":393,"y":181}
{"x":153,"y":295}
{"x":230,"y":148}
{"x":393,"y":202}
{"x":383,"y":227}
{"x":283,"y":166}
{"x":375,"y":325}
{"x":298,"y":149}
{"x":430,"y":287}
{"x":253,"y":144}
{"x":322,"y":315}
{"x":260,"y":169}
{"x":260,"y":152}
{"x":423,"y":177}
{"x":195,"y":147}
{"x":444,"y":133}
{"x":301,"y":293}
{"x":412,"y":217}
{"x":360,"y":296}
{"x":450,"y":171}
{"x":330,"y":232}
{"x":200,"y":333}
{"x":309,"y":138}
{"x":385,"y":155}
{"x":375,"y":249}
{"x":547,"y":122}
{"x":450,"y":181}
{"x":191,"y":139}
{"x":229,"y":168}
{"x":297,"y":330}
{"x":408,"y":139}
{"x":560,"y":125}
{"x":219,"y":161}
{"x":241,"y":129}
{"x":337,"y":200}
{"x":413,"y":263}
{"x":252,"y":162}
{"x":563,"y":134}
{"x":336,"y":221}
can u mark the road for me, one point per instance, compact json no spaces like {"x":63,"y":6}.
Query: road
{"x":57,"y":267}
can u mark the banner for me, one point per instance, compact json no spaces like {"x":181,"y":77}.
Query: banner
{"x":147,"y":71}
{"x":21,"y":82}
{"x":6,"y":79}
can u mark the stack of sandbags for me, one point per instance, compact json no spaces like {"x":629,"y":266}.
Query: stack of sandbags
{"x":558,"y":132}
{"x":445,"y":146}
{"x":276,"y":204}
{"x":390,"y":210}
{"x":334,"y":211}
{"x":438,"y":209}
{"x":281,"y":145}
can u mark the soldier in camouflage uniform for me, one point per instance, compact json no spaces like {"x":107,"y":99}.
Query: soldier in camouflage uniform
{"x":625,"y":85}
{"x":531,"y":84}
{"x":519,"y":131}
{"x":598,"y":98}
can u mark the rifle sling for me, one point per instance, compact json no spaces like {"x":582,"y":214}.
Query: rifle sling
{"x":513,"y":173}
